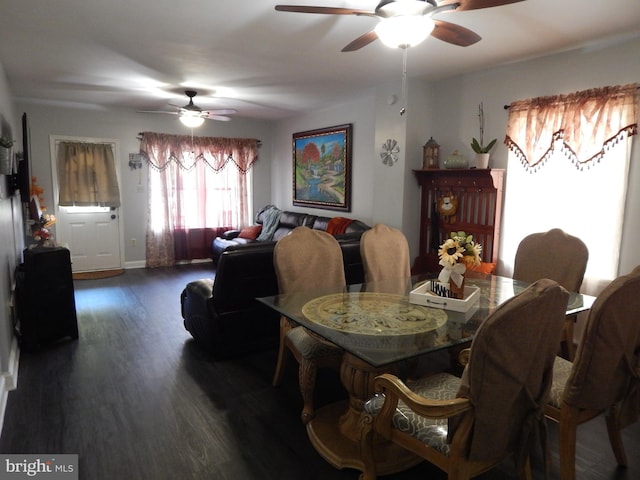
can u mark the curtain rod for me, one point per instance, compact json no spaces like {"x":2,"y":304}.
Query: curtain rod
{"x":259,"y":142}
{"x":506,"y":107}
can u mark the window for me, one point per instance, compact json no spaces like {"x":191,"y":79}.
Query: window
{"x":198,"y":187}
{"x":587,"y":204}
{"x":568,"y":169}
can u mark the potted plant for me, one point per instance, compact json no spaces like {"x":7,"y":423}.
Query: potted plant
{"x":5,"y":154}
{"x":481,"y":150}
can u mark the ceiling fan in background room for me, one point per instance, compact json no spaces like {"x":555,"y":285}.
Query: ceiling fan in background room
{"x":406,"y":23}
{"x":192,"y":115}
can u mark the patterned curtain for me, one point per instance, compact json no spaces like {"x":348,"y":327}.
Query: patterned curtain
{"x":548,"y":185}
{"x":87,"y":175}
{"x":197,"y":189}
{"x":587,"y":124}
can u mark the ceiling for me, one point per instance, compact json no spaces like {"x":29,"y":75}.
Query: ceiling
{"x":242,"y":54}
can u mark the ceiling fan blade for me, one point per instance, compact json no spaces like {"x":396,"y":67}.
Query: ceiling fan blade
{"x":220,"y":111}
{"x":220,"y":118}
{"x":477,"y":4}
{"x":454,"y":34}
{"x":322,"y":10}
{"x":185,"y":108}
{"x":361,"y":41}
{"x":157,"y":111}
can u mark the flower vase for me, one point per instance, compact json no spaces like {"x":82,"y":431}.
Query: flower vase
{"x":482,"y":160}
{"x":457,"y":291}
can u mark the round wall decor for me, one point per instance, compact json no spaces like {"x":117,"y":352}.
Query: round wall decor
{"x":389,"y":152}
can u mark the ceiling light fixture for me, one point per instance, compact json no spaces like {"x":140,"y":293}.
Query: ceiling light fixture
{"x":191,"y":119}
{"x":404,"y":31}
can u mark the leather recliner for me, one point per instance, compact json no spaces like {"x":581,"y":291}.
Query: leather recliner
{"x":222,"y":313}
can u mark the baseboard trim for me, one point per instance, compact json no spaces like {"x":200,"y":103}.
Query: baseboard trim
{"x":135,"y":264}
{"x":9,"y":379}
{"x":143,"y":263}
{"x":97,"y":274}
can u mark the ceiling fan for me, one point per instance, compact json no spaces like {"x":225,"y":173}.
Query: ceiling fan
{"x":192,"y":115}
{"x":406,"y":23}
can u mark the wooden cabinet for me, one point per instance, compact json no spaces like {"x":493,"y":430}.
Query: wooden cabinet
{"x":478,"y":194}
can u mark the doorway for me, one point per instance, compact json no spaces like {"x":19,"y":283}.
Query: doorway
{"x":92,"y":234}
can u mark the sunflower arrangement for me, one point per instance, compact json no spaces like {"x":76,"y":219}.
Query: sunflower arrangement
{"x":458,"y":253}
{"x":460,"y":248}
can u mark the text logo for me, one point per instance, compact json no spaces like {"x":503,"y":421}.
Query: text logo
{"x":50,"y":467}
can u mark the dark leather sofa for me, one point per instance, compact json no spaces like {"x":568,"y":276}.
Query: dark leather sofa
{"x":222,"y":313}
{"x":287,"y":222}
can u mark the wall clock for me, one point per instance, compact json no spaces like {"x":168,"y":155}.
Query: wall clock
{"x":389,"y":152}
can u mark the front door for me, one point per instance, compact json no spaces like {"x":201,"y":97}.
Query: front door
{"x":92,"y":234}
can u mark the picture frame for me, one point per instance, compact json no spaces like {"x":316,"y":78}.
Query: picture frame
{"x":322,"y":168}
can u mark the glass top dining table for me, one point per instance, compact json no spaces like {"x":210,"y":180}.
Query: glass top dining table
{"x":377,"y":323}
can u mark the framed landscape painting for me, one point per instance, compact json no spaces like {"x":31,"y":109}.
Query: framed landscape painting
{"x":322,"y":168}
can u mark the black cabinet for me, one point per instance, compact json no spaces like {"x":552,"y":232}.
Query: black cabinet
{"x":45,"y":297}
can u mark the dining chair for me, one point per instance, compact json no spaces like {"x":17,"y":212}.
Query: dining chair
{"x":385,"y":259}
{"x":306,"y":260}
{"x":605,"y":374}
{"x":560,"y":257}
{"x":466,"y":426}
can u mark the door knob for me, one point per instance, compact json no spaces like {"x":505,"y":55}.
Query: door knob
{"x":113,"y":217}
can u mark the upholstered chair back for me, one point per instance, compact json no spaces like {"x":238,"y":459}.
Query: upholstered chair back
{"x":553,"y":254}
{"x":606,"y":368}
{"x":308,"y":259}
{"x":510,"y":369}
{"x":385,"y":258}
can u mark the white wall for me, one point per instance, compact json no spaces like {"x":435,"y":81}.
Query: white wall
{"x":380,"y":193}
{"x":446,"y":110}
{"x":11,"y":244}
{"x":124,"y":125}
{"x":361,"y":113}
{"x":456,"y":102}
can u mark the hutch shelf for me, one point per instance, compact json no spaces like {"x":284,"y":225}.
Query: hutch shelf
{"x":478,"y":195}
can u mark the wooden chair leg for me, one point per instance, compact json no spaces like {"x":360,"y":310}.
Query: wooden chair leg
{"x":284,"y":354}
{"x":307,"y":377}
{"x":459,"y":471}
{"x":615,"y":437}
{"x":525,"y":473}
{"x":567,"y":428}
{"x":367,"y":434}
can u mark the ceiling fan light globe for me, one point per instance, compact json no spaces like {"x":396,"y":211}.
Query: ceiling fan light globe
{"x":191,"y":121}
{"x":404,"y":30}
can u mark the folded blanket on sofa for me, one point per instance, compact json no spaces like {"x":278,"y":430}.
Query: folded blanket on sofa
{"x":270,"y":222}
{"x":338,"y":225}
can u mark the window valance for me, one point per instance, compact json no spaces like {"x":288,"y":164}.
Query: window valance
{"x":161,"y":149}
{"x":587,"y":122}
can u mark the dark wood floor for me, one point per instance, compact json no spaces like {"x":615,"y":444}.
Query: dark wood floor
{"x":137,"y":399}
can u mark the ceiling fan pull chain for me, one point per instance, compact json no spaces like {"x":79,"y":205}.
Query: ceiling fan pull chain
{"x":404,"y":81}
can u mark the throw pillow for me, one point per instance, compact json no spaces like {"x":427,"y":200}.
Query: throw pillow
{"x":250,"y":233}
